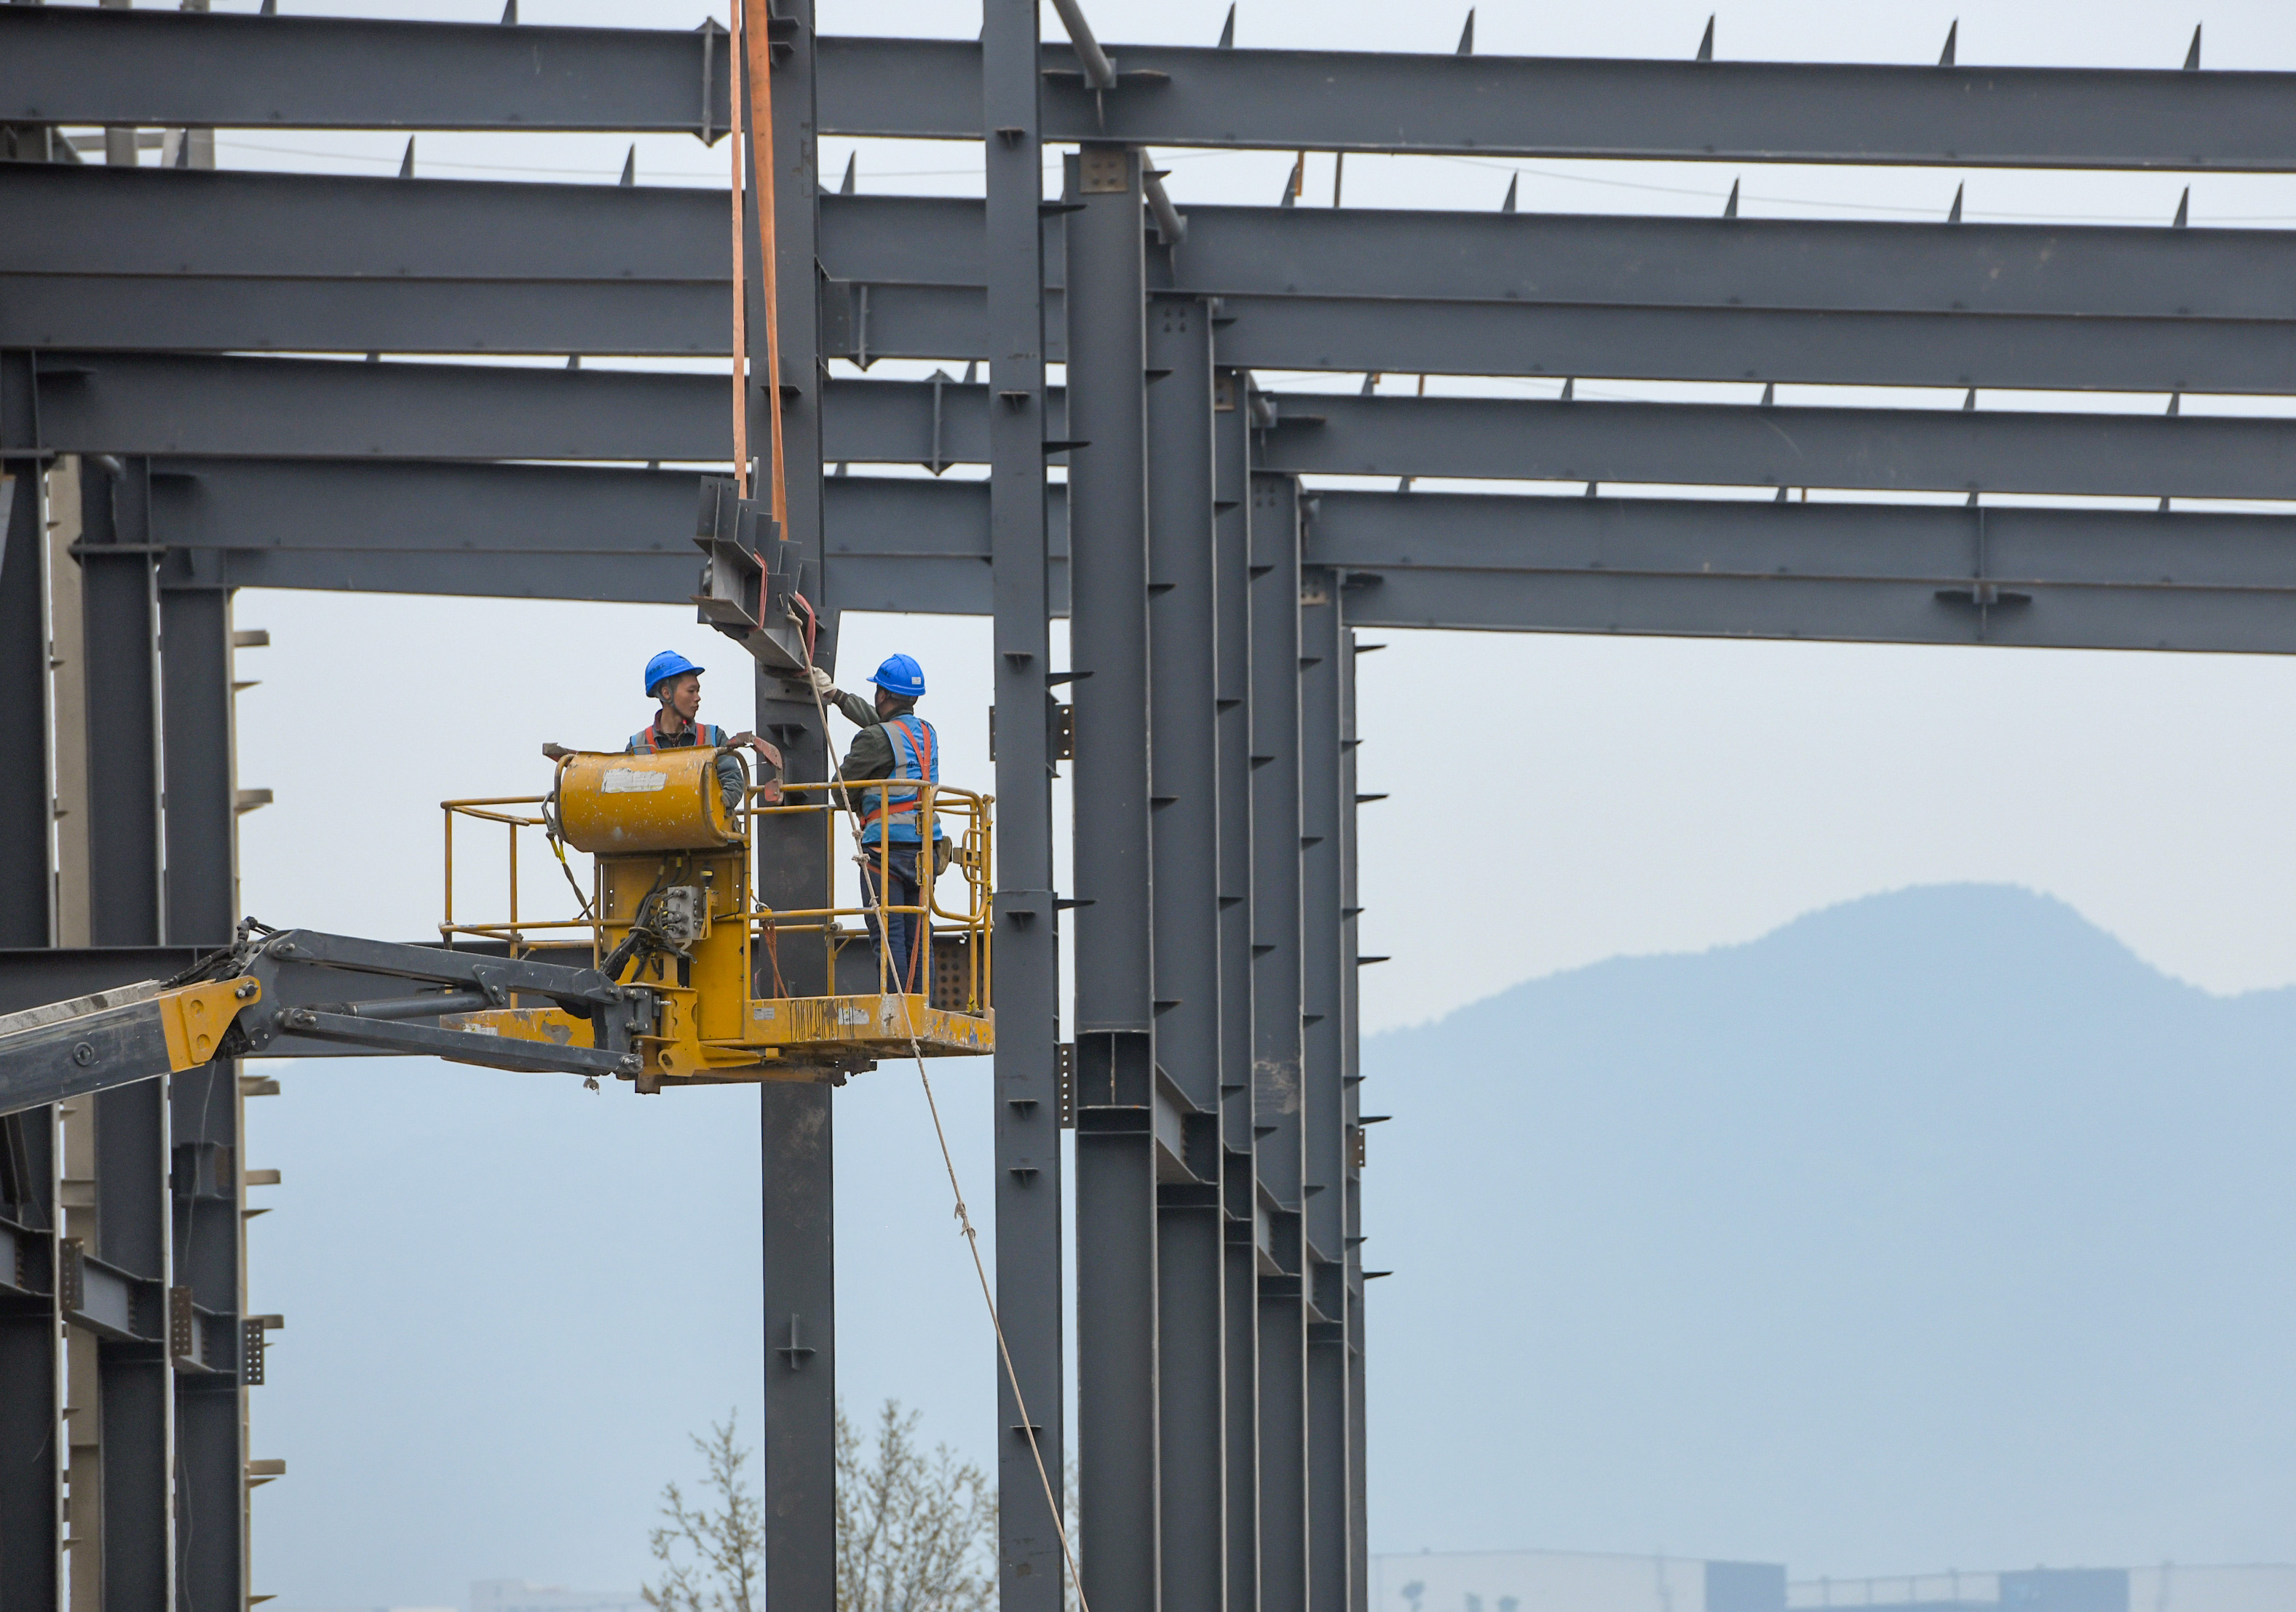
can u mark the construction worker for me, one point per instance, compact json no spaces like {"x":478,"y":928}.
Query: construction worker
{"x":675,"y":683}
{"x":894,"y":744}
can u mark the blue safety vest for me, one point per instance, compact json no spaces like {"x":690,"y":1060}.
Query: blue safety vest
{"x":891,"y":813}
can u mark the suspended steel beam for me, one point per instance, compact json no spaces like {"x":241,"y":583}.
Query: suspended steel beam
{"x":63,"y":65}
{"x":167,"y":223}
{"x":320,"y":408}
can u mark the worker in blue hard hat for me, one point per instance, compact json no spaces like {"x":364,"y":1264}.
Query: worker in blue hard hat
{"x":901,"y":747}
{"x":675,"y":684}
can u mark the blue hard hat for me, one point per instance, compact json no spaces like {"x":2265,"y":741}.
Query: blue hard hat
{"x":900,"y":675}
{"x":668,"y":664}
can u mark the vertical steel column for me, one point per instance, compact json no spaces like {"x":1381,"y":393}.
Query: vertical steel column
{"x":26,"y":877}
{"x":1351,"y":1045}
{"x":1324,"y":990}
{"x":1275,"y":1029}
{"x":1240,"y":1274}
{"x":793,"y":862}
{"x":1184,"y":828}
{"x":31,"y":1366}
{"x":1026,"y":1094}
{"x":205,"y":1105}
{"x":1115,"y":1073}
{"x":136,"y":1388}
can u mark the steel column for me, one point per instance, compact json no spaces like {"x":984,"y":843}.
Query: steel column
{"x":31,"y":1365}
{"x":1183,"y":712}
{"x":1351,"y":1085}
{"x":1277,"y":1090}
{"x":1240,"y":1256}
{"x":1323,"y":928}
{"x":1117,"y":1094}
{"x":800,"y":1364}
{"x":1031,"y":1572}
{"x":129,"y":1150}
{"x":205,"y":1106}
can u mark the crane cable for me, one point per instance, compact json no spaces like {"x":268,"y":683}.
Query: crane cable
{"x":948,"y":1161}
{"x":751,"y":52}
{"x":753,"y":117}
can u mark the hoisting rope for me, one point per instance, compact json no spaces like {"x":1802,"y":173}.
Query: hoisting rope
{"x":922,"y":941}
{"x":753,"y":126}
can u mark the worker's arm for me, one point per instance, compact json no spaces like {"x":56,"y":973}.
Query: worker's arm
{"x":856,"y":710}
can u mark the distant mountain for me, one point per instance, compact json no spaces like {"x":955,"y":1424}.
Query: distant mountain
{"x":1933,"y":1228}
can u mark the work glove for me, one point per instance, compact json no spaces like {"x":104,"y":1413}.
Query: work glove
{"x":823,"y":683}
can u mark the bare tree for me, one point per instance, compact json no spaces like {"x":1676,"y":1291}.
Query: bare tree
{"x":712,"y":1556}
{"x":915,"y":1532}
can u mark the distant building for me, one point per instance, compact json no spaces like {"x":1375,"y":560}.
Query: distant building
{"x":2168,"y":1588}
{"x":516,"y":1595}
{"x":1567,"y":1581}
{"x":1571,"y":1580}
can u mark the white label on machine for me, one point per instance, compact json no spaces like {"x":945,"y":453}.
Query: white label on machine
{"x":628,"y":780}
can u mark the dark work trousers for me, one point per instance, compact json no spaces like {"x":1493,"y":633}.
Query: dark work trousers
{"x":910,"y":971}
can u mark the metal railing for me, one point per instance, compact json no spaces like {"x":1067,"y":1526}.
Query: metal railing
{"x":956,"y":956}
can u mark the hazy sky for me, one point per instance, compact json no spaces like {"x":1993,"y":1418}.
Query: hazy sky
{"x":1671,"y":795}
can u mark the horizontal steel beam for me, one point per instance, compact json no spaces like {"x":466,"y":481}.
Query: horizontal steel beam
{"x":1742,"y":445}
{"x":65,"y":65}
{"x":1906,"y":574}
{"x":1540,"y":106}
{"x":193,"y":313}
{"x":152,"y":222}
{"x":1896,"y":573}
{"x":690,"y":318}
{"x":548,"y":532}
{"x":318,"y":408}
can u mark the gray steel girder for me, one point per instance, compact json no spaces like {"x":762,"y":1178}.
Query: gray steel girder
{"x":158,"y":313}
{"x":282,"y":72}
{"x":1891,"y":573}
{"x":287,"y":408}
{"x":150,"y":221}
{"x":70,"y":65}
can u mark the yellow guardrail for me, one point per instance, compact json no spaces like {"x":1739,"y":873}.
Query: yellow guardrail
{"x":958,"y":927}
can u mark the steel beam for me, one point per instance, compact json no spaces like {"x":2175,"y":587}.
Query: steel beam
{"x":1896,"y":573}
{"x":170,"y":223}
{"x":1239,"y":1275}
{"x":1491,"y":106}
{"x":1278,"y":1090}
{"x":1957,"y":450}
{"x":286,"y":407}
{"x":1031,"y":1446}
{"x":282,"y":73}
{"x":1118,"y":1090}
{"x":683,"y":319}
{"x":218,"y":71}
{"x":193,"y":313}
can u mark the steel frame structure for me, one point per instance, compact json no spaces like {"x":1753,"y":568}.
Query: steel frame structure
{"x":159,"y":460}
